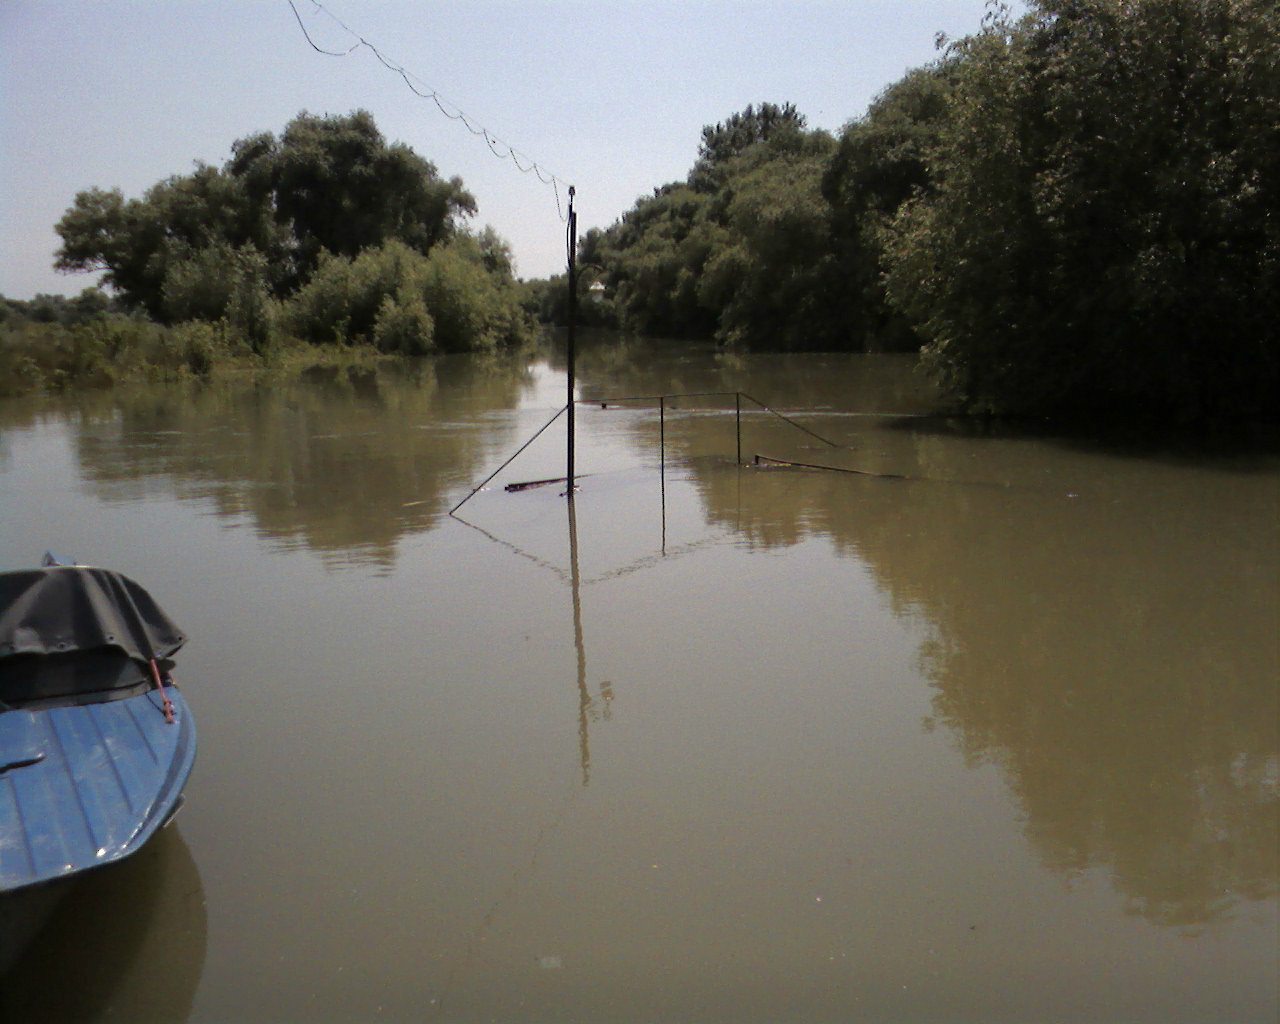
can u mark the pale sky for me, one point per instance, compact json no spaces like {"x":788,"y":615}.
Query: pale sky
{"x":610,"y":96}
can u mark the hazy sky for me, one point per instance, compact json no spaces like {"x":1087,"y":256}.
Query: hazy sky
{"x":610,"y":96}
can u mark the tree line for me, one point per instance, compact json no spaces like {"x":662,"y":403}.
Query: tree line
{"x":1071,"y":213}
{"x":326,"y":233}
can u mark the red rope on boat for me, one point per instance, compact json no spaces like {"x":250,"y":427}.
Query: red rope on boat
{"x":168,"y":704}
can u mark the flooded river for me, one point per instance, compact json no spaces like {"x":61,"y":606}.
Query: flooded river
{"x":968,"y":726}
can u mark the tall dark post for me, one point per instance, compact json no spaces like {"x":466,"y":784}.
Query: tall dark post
{"x":573,"y":316}
{"x":737,"y":421}
{"x":662,"y":463}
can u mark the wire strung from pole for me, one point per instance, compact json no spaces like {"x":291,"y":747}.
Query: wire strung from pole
{"x":420,"y":88}
{"x":318,"y":49}
{"x":476,"y":490}
{"x":787,"y":419}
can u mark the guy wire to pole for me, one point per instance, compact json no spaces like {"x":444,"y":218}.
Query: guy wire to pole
{"x":480,"y":486}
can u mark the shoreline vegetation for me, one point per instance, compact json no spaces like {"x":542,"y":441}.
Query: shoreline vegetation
{"x":327,"y":245}
{"x":1071,"y":216}
{"x":109,"y":349}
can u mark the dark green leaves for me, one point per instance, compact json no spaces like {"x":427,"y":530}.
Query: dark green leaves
{"x":1101,"y":238}
{"x":328,"y":230}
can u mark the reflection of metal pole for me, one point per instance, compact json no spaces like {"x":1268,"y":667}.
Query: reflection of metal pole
{"x":584,"y":697}
{"x":573,"y":315}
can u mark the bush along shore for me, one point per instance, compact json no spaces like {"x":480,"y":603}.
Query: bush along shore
{"x":106,"y":348}
{"x":283,"y":256}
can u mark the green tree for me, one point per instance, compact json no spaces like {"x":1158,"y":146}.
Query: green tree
{"x":137,"y":241}
{"x":1101,"y":236}
{"x":90,"y":304}
{"x":776,"y":240}
{"x":328,"y":184}
{"x":336,"y":184}
{"x":736,"y":134}
{"x":776,"y":281}
{"x":396,"y":298}
{"x":654,"y":255}
{"x":694,"y":260}
{"x":495,"y":253}
{"x":882,"y":160}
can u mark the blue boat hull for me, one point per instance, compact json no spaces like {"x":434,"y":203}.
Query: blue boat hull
{"x":87,"y":785}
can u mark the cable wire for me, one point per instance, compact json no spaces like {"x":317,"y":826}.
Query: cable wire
{"x":327,"y":53}
{"x":426,"y":92}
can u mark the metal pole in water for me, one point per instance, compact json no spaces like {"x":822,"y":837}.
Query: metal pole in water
{"x":573,"y":315}
{"x":737,"y":420}
{"x":662,"y":463}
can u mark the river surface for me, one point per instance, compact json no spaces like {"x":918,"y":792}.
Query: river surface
{"x":983,"y":731}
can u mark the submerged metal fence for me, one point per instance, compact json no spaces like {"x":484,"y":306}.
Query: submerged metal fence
{"x":662,"y":401}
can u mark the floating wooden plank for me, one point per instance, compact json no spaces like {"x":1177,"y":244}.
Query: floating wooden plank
{"x":530,"y":484}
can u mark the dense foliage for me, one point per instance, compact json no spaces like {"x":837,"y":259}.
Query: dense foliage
{"x":54,"y":343}
{"x":329,"y":233}
{"x":56,"y":309}
{"x":1102,"y":235}
{"x":399,"y":300}
{"x":1070,"y":213}
{"x":739,"y":249}
{"x":883,"y":160}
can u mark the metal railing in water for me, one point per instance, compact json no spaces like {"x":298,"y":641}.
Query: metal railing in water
{"x":662,"y":400}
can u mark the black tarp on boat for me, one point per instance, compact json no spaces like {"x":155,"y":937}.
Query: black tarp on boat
{"x":73,"y":631}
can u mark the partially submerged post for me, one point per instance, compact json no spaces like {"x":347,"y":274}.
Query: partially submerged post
{"x":573,"y":315}
{"x":737,"y":422}
{"x":662,"y":463}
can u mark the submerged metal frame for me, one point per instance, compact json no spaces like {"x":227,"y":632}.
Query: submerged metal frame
{"x":570,"y":476}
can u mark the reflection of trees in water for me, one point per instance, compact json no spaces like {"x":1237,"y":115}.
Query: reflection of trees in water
{"x":1123,"y":681}
{"x":1103,"y":630}
{"x":344,"y":461}
{"x":609,"y":365}
{"x":1114,"y":653}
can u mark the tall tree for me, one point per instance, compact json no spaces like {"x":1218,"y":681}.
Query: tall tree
{"x":327,"y":184}
{"x":736,"y":134}
{"x":882,"y":161}
{"x":138,"y":241}
{"x":335,"y":183}
{"x":775,"y":282}
{"x":1102,"y":238}
{"x":731,"y":252}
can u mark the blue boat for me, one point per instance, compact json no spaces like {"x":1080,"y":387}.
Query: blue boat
{"x":96,"y":742}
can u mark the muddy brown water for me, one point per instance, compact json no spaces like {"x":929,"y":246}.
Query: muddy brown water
{"x":986,"y":730}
